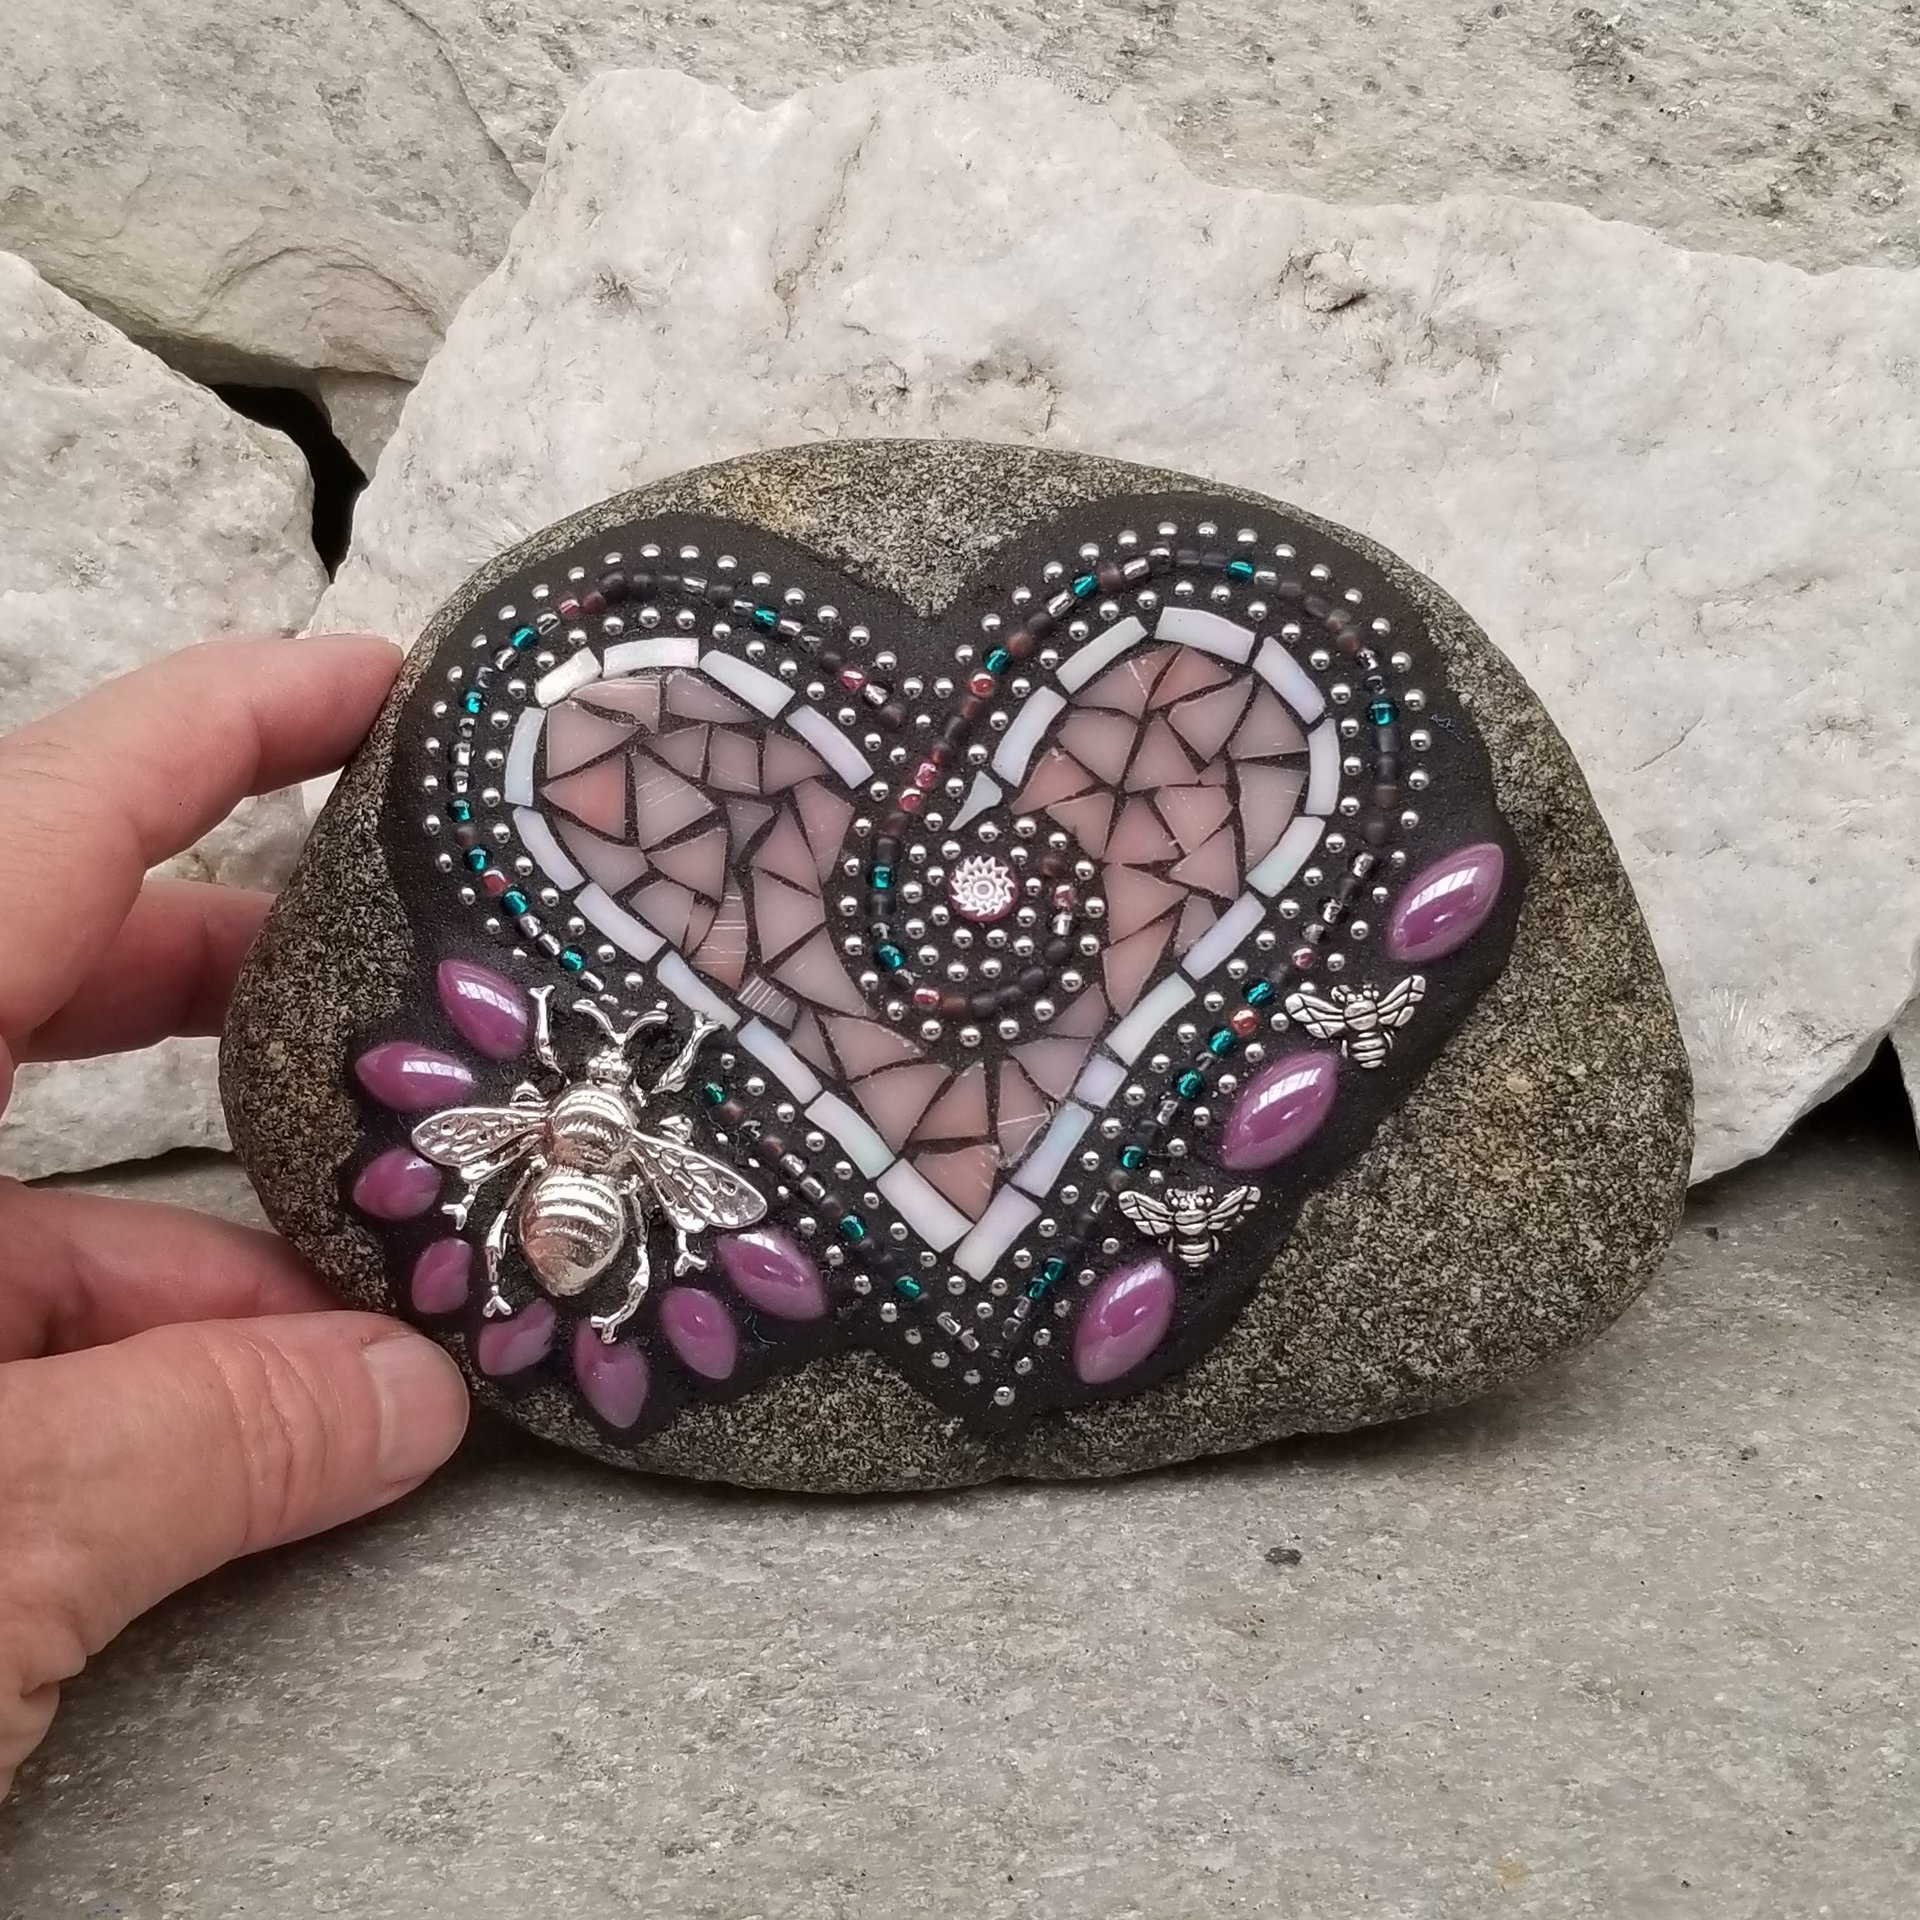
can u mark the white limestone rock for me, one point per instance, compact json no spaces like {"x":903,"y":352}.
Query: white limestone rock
{"x":137,"y":514}
{"x":255,"y":189}
{"x":1679,"y":489}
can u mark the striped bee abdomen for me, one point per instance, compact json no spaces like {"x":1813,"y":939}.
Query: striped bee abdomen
{"x":570,"y":1226}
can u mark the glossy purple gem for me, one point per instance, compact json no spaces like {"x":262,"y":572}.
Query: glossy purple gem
{"x":441,"y":1277}
{"x":1125,"y":1318}
{"x":505,"y":1347}
{"x":413,"y":1079}
{"x":487,"y":1010}
{"x":701,"y":1331}
{"x":772,"y":1274}
{"x":613,"y":1378}
{"x":1280,"y":1109}
{"x":1446,"y":904}
{"x":396,"y":1185}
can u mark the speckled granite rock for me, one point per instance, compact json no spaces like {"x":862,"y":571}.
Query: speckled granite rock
{"x":1506,"y":1208}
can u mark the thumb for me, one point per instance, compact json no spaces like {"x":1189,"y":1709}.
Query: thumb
{"x":137,"y":1467}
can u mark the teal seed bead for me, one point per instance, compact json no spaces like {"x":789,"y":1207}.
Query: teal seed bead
{"x":573,"y":959}
{"x":1260,"y":993}
{"x":460,"y":809}
{"x":765,"y":617}
{"x":1221,"y":1042}
{"x":514,"y":900}
{"x":1053,"y":1270}
{"x":475,"y":702}
{"x":1189,"y":1084}
{"x":882,"y":878}
{"x":522,"y":638}
{"x":853,"y":1228}
{"x":1083,"y":585}
{"x":477,"y":858}
{"x":1133,"y":1158}
{"x":890,"y":957}
{"x":713,"y":1093}
{"x":1240,"y":569}
{"x":907,"y":1287}
{"x":998,"y":660}
{"x":1382,"y":713}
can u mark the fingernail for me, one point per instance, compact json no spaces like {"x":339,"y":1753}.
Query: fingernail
{"x":423,"y":1405}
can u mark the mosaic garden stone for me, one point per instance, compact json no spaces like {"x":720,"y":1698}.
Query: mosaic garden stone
{"x":888,"y":964}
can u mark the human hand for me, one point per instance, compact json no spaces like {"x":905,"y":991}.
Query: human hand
{"x":172,"y":1393}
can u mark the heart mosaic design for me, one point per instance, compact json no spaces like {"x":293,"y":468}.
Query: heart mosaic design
{"x":992,"y":988}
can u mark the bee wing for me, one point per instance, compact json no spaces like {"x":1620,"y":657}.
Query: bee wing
{"x":694,"y":1191}
{"x":1324,"y":1019}
{"x":1230,"y":1206}
{"x":1397,"y":1003}
{"x":1147,"y":1213}
{"x":463,"y":1135}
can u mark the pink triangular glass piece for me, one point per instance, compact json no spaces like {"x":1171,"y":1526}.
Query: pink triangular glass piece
{"x":694,"y":697}
{"x":1195,"y":918}
{"x":895,"y":1100}
{"x":1190,"y":672}
{"x":1082,"y":1018}
{"x":823,"y":815}
{"x":1269,"y":798}
{"x":636,"y":698}
{"x":1206,"y":722}
{"x":684,"y":750}
{"x":1059,"y":776}
{"x":1140,"y":836}
{"x":785,"y":852}
{"x":1161,"y":762}
{"x":960,"y":1113}
{"x":783,"y":916}
{"x":1088,"y":819}
{"x":1134,"y":898}
{"x":699,"y":923}
{"x":1023,"y":1111}
{"x":722,"y":955}
{"x":1193,"y":813}
{"x":1124,"y":689}
{"x":667,"y":907}
{"x":815,"y":973}
{"x":745,"y":818}
{"x":966,"y":1177}
{"x":867,"y":1046}
{"x":574,"y":736}
{"x":663,"y":803}
{"x":733,"y":761}
{"x":810,"y":1043}
{"x":1100,"y":741}
{"x":1268,"y":729}
{"x":596,"y":795}
{"x":786,"y":760}
{"x":699,"y":863}
{"x":1053,"y":1063}
{"x":1130,"y":963}
{"x":610,"y":864}
{"x":1211,"y":867}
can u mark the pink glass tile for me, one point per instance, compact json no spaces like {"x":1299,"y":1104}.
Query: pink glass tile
{"x":733,"y":761}
{"x":1268,"y":729}
{"x":1130,"y":963}
{"x":1023,"y":1111}
{"x":785,"y":761}
{"x":611,"y":863}
{"x":965,"y":1177}
{"x":573,"y":736}
{"x":1100,"y":741}
{"x":635,"y":698}
{"x":1205,"y":723}
{"x":785,"y":852}
{"x":1269,"y":798}
{"x":1195,"y":918}
{"x":1059,"y":776}
{"x":895,"y":1101}
{"x":722,"y":955}
{"x":667,"y":907}
{"x":1125,"y":688}
{"x":823,"y":817}
{"x":1133,"y":899}
{"x":1140,"y":837}
{"x":595,"y":796}
{"x":815,"y":973}
{"x":1161,"y":762}
{"x":1083,"y":1018}
{"x":806,"y":1039}
{"x":694,"y":697}
{"x":1189,"y":672}
{"x":866,"y":1046}
{"x":960,"y":1113}
{"x":1213,"y":866}
{"x":1053,"y":1064}
{"x":745,"y":818}
{"x":1088,"y":819}
{"x":783,"y":916}
{"x":699,"y":862}
{"x":684,"y":750}
{"x":1193,"y":814}
{"x":663,"y":803}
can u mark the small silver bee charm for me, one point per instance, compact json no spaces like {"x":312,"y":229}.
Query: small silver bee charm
{"x":1360,"y":1019}
{"x":1190,"y":1219}
{"x":591,"y":1169}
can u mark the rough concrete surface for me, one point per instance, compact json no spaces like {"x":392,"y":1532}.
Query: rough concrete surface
{"x":315,"y":190}
{"x":1634,"y":1638}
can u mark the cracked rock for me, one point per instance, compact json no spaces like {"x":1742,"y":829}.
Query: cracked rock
{"x":1678,"y":489}
{"x":137,"y":514}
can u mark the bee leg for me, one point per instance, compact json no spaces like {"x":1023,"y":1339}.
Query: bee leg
{"x":497,"y":1304}
{"x":675,"y":1076}
{"x":542,"y":998}
{"x":685,"y":1260}
{"x":608,"y":1325}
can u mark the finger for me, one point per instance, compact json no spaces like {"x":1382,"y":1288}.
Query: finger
{"x":135,"y":1468}
{"x":169,"y":969}
{"x":79,"y":1270}
{"x":99,"y":792}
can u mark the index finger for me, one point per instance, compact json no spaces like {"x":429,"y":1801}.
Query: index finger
{"x":137,"y":770}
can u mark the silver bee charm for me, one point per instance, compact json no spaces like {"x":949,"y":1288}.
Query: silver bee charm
{"x":1360,"y":1019}
{"x":1189,"y":1219}
{"x":591,"y":1167}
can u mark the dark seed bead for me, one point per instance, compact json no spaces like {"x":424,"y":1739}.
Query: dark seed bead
{"x":1347,"y":643}
{"x":886,"y":849}
{"x":1039,"y":623}
{"x":1213,"y":560}
{"x":1022,"y":644}
{"x":1032,"y":979}
{"x":594,"y":604}
{"x":1056,"y":951}
{"x":1386,"y":768}
{"x":953,"y":1006}
{"x":1108,"y":577}
{"x":717,"y":592}
{"x":831,"y":659}
{"x":1318,"y":606}
{"x":770,"y":1147}
{"x":1119,"y":1181}
{"x":613,"y":588}
{"x":954,"y":731}
{"x":893,"y":715}
{"x":731,"y":1111}
{"x":1386,"y":794}
{"x":892,"y":827}
{"x":1375,"y":831}
{"x":1186,"y":556}
{"x":971,"y":708}
{"x":1160,"y":559}
{"x":1052,"y":867}
{"x":1386,"y":739}
{"x":980,"y":1006}
{"x":1350,"y":884}
{"x":642,"y":585}
{"x":1314,"y":935}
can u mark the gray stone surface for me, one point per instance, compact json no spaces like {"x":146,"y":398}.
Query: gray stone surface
{"x":1520,"y":1196}
{"x":137,"y":514}
{"x":1632,"y":1639}
{"x":319,"y":199}
{"x":1677,"y":490}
